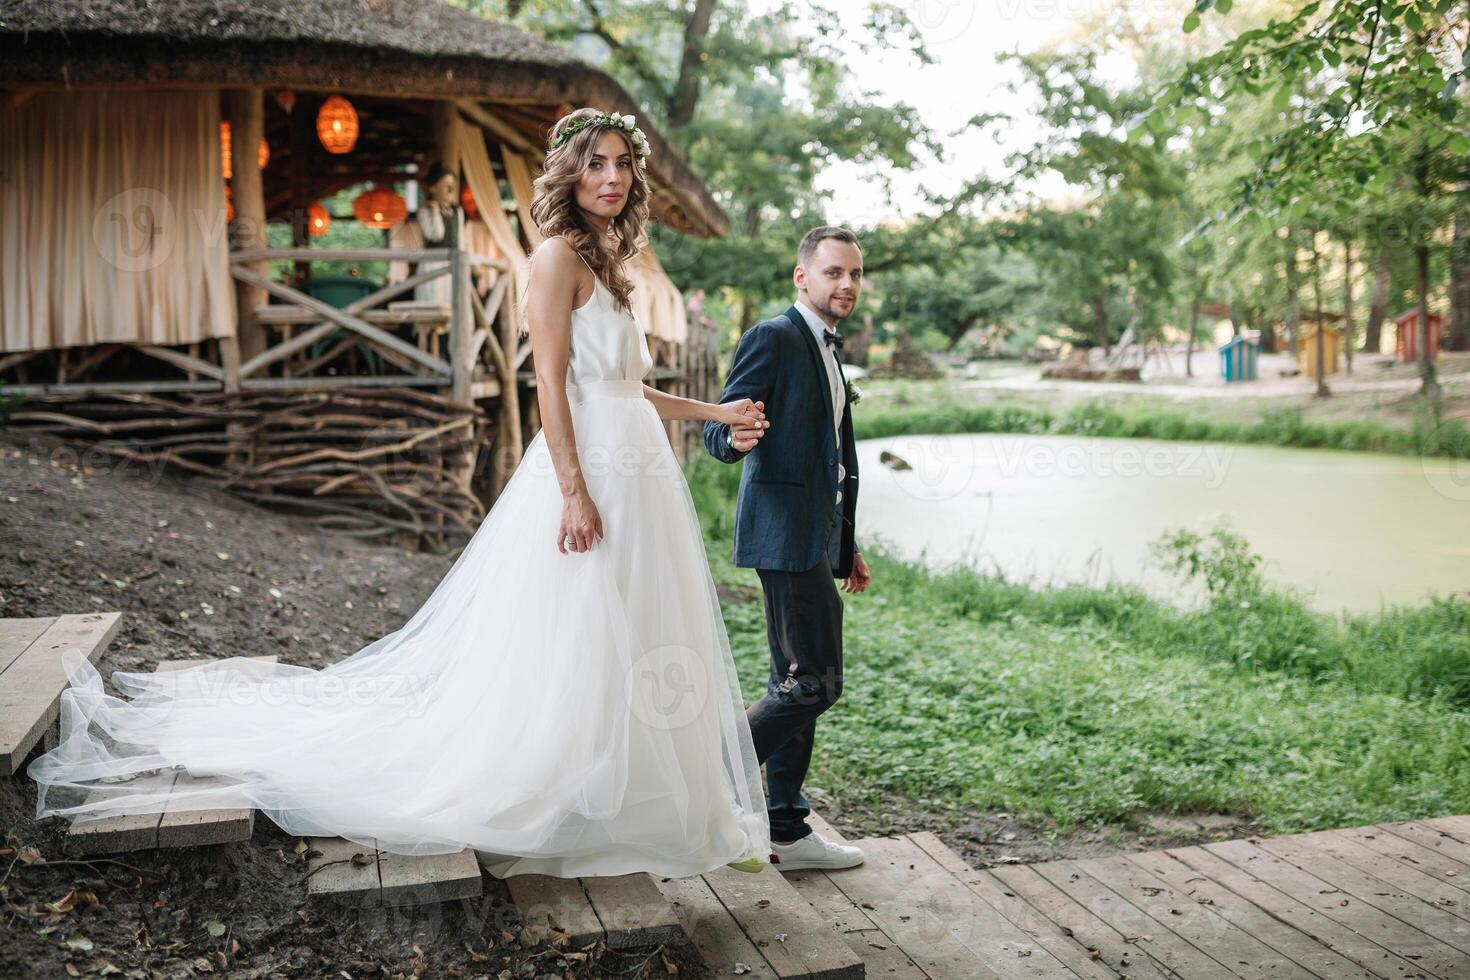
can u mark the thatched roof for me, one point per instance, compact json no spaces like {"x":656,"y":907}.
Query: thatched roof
{"x":409,"y":48}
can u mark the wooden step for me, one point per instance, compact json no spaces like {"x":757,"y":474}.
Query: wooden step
{"x":622,"y":910}
{"x":32,"y":677}
{"x":916,"y":909}
{"x":881,"y":956}
{"x":347,"y":873}
{"x":172,"y":827}
{"x":762,"y":926}
{"x":945,"y":927}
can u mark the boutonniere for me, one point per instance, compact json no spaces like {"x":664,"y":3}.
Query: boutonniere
{"x":854,"y":394}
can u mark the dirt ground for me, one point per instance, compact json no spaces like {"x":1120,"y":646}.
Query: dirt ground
{"x":200,"y":574}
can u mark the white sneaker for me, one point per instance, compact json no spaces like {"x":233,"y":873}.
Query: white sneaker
{"x":814,"y":851}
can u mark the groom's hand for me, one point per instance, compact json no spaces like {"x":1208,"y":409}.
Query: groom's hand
{"x":860,"y":578}
{"x":747,"y":431}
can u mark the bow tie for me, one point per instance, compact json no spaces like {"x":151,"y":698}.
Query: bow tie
{"x":833,"y":338}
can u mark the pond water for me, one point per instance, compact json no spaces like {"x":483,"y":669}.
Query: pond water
{"x":1353,"y":530}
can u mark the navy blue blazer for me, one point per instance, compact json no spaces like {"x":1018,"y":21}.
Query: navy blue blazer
{"x":789,"y":483}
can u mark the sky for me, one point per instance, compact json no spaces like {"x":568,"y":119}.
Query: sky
{"x":963,"y":38}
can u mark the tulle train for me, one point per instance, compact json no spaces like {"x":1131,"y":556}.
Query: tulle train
{"x":564,"y":714}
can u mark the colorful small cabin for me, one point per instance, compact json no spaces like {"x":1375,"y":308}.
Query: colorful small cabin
{"x":1306,"y":349}
{"x":1408,"y":335}
{"x":1240,"y":357}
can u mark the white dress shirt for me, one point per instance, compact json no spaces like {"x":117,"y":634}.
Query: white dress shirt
{"x":834,"y":383}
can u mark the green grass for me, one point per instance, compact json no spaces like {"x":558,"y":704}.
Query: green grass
{"x":1277,"y":427}
{"x":1080,"y":704}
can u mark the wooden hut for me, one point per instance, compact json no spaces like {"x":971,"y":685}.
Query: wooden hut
{"x":154,"y":305}
{"x":1240,"y":358}
{"x":1407,"y":327}
{"x":1307,"y":349}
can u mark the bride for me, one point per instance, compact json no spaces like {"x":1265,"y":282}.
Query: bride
{"x":565,"y":702}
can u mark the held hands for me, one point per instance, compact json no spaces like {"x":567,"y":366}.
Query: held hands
{"x":747,"y":421}
{"x":860,"y":578}
{"x":581,"y":524}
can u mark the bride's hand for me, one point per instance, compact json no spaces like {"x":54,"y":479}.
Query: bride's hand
{"x":743,"y":412}
{"x":746,"y":418}
{"x":581,"y":524}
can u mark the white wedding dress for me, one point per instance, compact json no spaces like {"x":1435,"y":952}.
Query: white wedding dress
{"x":564,"y":714}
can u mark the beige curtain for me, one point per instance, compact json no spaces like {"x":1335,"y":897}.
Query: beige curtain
{"x":112,"y":220}
{"x":479,"y":174}
{"x":518,"y":172}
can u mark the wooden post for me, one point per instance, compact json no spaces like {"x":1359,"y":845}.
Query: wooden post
{"x":461,"y":326}
{"x":508,"y":445}
{"x":247,"y":126}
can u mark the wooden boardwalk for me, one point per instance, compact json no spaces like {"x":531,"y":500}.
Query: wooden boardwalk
{"x":1384,"y":901}
{"x":1391,"y":900}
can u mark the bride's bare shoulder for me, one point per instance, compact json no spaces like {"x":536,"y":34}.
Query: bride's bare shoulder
{"x":556,"y":254}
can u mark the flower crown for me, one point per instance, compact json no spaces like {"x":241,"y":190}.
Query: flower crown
{"x":624,"y":122}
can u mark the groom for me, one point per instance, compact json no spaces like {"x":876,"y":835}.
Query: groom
{"x":794,"y":523}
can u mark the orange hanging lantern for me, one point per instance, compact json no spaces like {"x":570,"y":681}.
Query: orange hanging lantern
{"x":379,"y":208}
{"x":263,"y":154}
{"x":336,"y":125}
{"x":317,"y":219}
{"x":467,"y":201}
{"x":229,"y":207}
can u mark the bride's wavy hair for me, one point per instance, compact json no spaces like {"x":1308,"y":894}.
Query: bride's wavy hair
{"x":555,"y":210}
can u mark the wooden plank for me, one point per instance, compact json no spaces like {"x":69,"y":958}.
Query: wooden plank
{"x":30,"y":688}
{"x":1364,"y":918}
{"x":428,"y":878}
{"x":336,"y":874}
{"x":248,"y":255}
{"x":1334,"y":936}
{"x":1285,"y":941}
{"x":1116,"y":950}
{"x":1396,"y":872}
{"x":766,"y":905}
{"x":881,"y":955}
{"x":1432,"y":861}
{"x":195,"y":828}
{"x":545,"y":902}
{"x":1429,"y":838}
{"x":128,"y":832}
{"x":1004,"y":947}
{"x":18,"y":634}
{"x":1457,"y":827}
{"x":1234,"y":949}
{"x":716,"y":935}
{"x":1390,"y":899}
{"x":900,"y":888}
{"x":170,"y":827}
{"x":1137,"y":926}
{"x":632,"y":910}
{"x":1016,"y":910}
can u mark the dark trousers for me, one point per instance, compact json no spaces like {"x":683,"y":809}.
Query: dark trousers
{"x":804,"y":629}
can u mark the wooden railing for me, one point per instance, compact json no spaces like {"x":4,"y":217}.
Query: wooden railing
{"x":471,"y":322}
